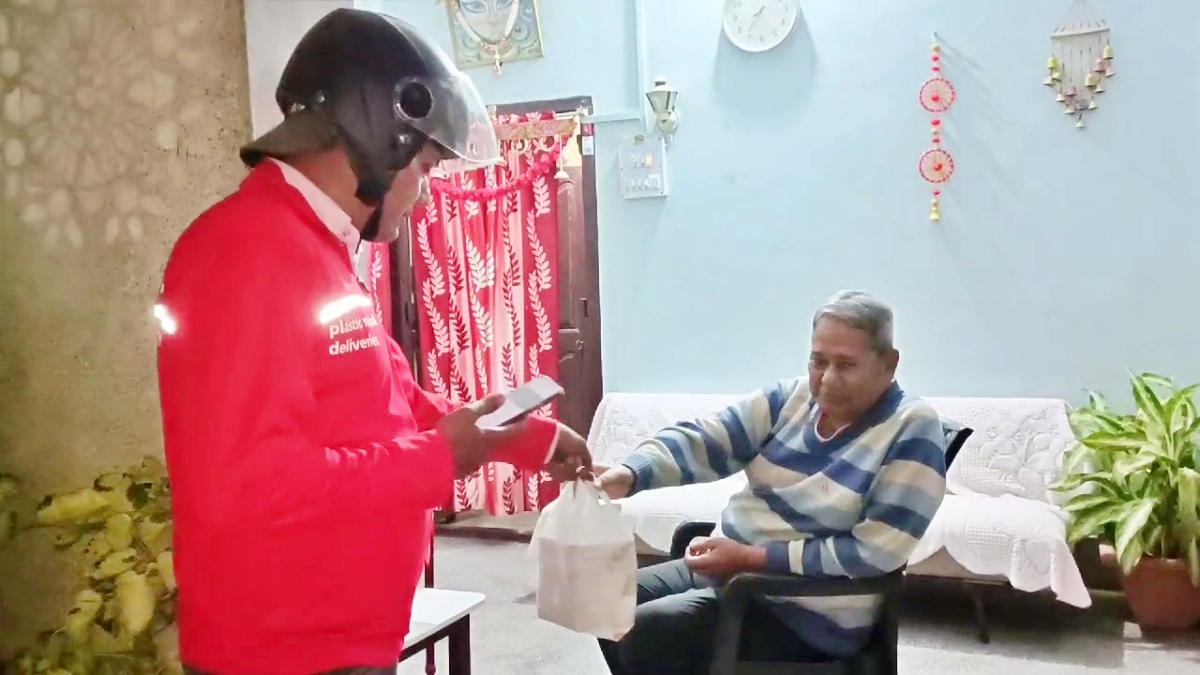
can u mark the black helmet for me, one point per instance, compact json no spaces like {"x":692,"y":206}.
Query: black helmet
{"x":384,"y":90}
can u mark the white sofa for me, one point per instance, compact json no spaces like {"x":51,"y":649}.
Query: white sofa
{"x":999,"y":524}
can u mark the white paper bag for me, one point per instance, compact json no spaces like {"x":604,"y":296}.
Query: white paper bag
{"x":586,"y":563}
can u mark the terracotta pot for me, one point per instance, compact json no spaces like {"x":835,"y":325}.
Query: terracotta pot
{"x":1161,"y":595}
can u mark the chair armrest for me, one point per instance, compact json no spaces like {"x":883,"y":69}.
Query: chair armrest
{"x":737,"y":594}
{"x":686,"y":532}
{"x":794,"y":586}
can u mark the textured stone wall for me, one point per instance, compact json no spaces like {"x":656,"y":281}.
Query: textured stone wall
{"x":119,"y":121}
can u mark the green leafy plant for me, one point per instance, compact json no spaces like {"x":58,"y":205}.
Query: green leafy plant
{"x":1137,"y":476}
{"x":122,"y":621}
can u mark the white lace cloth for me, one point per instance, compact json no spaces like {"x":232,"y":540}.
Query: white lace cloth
{"x":624,"y":420}
{"x":999,"y":520}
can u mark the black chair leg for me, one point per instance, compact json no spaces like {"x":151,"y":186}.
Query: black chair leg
{"x":981,"y":622}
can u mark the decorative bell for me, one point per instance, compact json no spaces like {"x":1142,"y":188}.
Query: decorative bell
{"x":1092,"y":105}
{"x":1100,"y":87}
{"x":1060,"y":98}
{"x":1056,"y":75}
{"x":1107,"y":53}
{"x":1099,"y":67}
{"x":1091,"y":80}
{"x":1049,"y":82}
{"x":1108,"y":69}
{"x":1052,"y":63}
{"x":1080,"y":124}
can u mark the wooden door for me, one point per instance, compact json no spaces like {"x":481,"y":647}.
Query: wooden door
{"x":579,"y":365}
{"x":405,"y":327}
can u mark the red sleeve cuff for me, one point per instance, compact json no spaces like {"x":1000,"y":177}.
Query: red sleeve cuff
{"x":440,"y":472}
{"x":533,"y":448}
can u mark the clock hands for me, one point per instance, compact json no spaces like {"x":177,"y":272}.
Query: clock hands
{"x":757,"y":15}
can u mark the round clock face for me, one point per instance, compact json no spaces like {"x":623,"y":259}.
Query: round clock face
{"x":759,"y":25}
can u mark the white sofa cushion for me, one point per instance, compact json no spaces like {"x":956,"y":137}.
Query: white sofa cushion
{"x":624,"y":420}
{"x":1016,"y":448}
{"x":1022,"y":540}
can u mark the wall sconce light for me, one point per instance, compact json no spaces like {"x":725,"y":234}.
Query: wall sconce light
{"x":662,"y":102}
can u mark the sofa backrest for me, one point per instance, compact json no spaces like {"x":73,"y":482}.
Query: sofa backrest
{"x":624,"y":420}
{"x":1016,"y":447}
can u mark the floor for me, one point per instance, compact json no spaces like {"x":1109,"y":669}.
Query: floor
{"x":1032,"y":635}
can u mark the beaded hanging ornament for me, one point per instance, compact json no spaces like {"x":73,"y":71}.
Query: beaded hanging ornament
{"x":936,"y":96}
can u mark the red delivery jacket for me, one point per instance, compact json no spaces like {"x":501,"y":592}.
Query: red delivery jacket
{"x":303,"y":457}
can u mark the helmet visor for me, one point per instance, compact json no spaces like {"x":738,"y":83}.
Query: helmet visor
{"x":450,"y":111}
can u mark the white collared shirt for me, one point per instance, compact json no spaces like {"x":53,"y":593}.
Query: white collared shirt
{"x":327,"y":210}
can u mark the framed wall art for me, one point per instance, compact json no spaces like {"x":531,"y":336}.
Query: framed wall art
{"x":494,"y":32}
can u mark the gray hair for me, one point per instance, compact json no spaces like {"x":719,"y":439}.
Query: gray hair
{"x":862,"y":311}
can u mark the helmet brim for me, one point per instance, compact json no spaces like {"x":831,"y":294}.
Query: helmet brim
{"x":298,"y":133}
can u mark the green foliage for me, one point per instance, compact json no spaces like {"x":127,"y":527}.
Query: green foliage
{"x":1138,"y":475}
{"x":123,"y":620}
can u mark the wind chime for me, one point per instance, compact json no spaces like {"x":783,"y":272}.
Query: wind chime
{"x":1080,"y":60}
{"x":936,"y":97}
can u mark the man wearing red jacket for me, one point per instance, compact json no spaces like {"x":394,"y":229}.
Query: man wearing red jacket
{"x":303,"y":457}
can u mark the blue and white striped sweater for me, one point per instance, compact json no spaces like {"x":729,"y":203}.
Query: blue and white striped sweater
{"x":853,"y":506}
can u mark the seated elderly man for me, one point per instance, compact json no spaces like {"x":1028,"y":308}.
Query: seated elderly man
{"x":845,"y":470}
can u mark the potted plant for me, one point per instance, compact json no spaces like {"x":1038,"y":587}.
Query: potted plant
{"x":123,"y":618}
{"x":1136,"y":479}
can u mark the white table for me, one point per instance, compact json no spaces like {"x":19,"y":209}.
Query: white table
{"x":440,"y":614}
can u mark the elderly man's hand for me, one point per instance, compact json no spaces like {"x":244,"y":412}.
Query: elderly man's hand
{"x":571,"y":459}
{"x":615,"y":481}
{"x":720,"y":558}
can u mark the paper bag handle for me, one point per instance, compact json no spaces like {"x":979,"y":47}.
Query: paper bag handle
{"x":590,"y":486}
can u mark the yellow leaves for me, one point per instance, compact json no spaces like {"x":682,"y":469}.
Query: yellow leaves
{"x":97,"y":548}
{"x":116,"y":563}
{"x":82,"y":615}
{"x":115,"y":488}
{"x":166,"y":647}
{"x":155,"y":535}
{"x":118,"y":529}
{"x":135,"y":602}
{"x":165,"y":564}
{"x":124,"y":621}
{"x":104,"y":642}
{"x":72,"y":507}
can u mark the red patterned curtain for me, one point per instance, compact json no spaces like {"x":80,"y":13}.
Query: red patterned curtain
{"x":373,"y":270}
{"x":485,"y":261}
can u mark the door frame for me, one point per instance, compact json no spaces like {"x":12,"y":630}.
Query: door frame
{"x":406,"y":328}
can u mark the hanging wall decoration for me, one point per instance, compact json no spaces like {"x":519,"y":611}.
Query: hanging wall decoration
{"x":1081,"y":58}
{"x":493,"y":32}
{"x":936,"y":96}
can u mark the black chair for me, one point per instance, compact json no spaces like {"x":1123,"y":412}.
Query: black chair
{"x":735,"y":597}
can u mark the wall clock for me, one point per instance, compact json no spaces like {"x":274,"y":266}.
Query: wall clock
{"x":759,"y":25}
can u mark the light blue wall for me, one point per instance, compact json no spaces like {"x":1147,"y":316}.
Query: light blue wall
{"x":1063,"y":256}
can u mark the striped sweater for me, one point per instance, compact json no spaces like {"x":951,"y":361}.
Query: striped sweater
{"x":851,"y":506}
